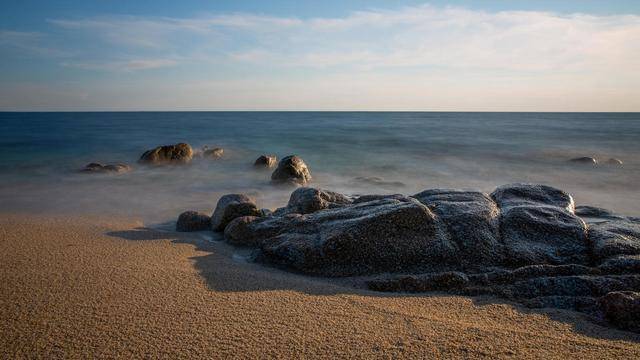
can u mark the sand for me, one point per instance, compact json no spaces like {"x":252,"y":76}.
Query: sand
{"x":79,"y":287}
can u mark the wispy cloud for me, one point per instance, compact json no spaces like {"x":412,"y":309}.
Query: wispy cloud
{"x":127,"y":66}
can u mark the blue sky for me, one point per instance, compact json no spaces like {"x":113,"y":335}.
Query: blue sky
{"x":329,"y":55}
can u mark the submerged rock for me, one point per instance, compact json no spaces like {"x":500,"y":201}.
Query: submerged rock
{"x":292,"y":170}
{"x":230,"y":207}
{"x":586,"y":160}
{"x":265,"y":161}
{"x":193,"y":221}
{"x":213,"y":154}
{"x":97,"y":168}
{"x":378,"y":181}
{"x":614,"y":162}
{"x":168,"y":154}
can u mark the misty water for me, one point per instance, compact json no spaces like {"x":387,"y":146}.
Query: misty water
{"x":408,"y":152}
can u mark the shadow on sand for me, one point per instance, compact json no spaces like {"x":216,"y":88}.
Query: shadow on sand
{"x":225,"y":269}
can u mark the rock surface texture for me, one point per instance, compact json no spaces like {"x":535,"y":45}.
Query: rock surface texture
{"x":168,"y":154}
{"x":292,"y":170}
{"x":193,"y":221}
{"x":266,"y":161}
{"x":525,"y":242}
{"x":97,"y":168}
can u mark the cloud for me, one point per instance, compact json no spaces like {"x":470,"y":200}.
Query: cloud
{"x":127,"y":65}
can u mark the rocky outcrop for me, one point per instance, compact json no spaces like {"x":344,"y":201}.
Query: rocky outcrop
{"x":523,"y":242}
{"x":97,"y":168}
{"x":193,"y":221}
{"x":266,"y":161}
{"x":168,"y":154}
{"x":215,"y":153}
{"x":230,"y":207}
{"x":291,"y":170}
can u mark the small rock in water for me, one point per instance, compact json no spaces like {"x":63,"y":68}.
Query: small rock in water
{"x":292,"y":170}
{"x":230,"y":207}
{"x":193,"y":221}
{"x":181,"y":153}
{"x":214,"y":153}
{"x":614,"y":162}
{"x":94,"y":168}
{"x":265,"y":161}
{"x":587,"y":160}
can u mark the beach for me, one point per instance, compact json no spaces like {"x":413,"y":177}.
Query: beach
{"x":89,"y":286}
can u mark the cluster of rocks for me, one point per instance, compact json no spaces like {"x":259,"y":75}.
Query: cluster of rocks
{"x":290,"y":170}
{"x":524,"y":242}
{"x":588,"y":160}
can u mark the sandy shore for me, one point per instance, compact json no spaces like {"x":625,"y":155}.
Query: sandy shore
{"x":85,"y":287}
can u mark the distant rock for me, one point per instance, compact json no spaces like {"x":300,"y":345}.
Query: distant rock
{"x":378,"y":181}
{"x":266,"y":161}
{"x":307,"y":200}
{"x":168,"y":154}
{"x":97,"y":168}
{"x":586,"y":160}
{"x":193,"y":221}
{"x":213,"y":154}
{"x":230,"y":207}
{"x":292,"y":170}
{"x":614,"y":162}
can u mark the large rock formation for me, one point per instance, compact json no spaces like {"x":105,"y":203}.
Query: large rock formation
{"x":292,"y":170}
{"x":230,"y":207}
{"x":524,"y":242}
{"x":168,"y":154}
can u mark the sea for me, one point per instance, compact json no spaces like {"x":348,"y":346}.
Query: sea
{"x":348,"y":152}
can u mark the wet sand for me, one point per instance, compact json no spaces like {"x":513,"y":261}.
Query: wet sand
{"x":96,"y":287}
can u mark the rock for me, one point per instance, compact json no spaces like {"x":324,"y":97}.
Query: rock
{"x":614,"y":162}
{"x":614,"y":237}
{"x":238,"y":233}
{"x":230,"y":207}
{"x":621,"y":264}
{"x":420,"y":283}
{"x":378,"y":181}
{"x":214,"y":153}
{"x":168,"y":154}
{"x":532,"y":194}
{"x":622,"y":309}
{"x":387,"y":235}
{"x":265,"y":161}
{"x":367,"y":198}
{"x":542,"y":235}
{"x":95,"y":168}
{"x":292,"y":170}
{"x":266,"y":212}
{"x":586,"y":160}
{"x":307,"y":200}
{"x":593,"y":212}
{"x":193,"y":221}
{"x":472,"y":220}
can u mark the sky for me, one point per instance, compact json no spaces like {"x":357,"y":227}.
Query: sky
{"x":72,"y":55}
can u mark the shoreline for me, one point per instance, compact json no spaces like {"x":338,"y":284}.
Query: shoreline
{"x":87,"y":286}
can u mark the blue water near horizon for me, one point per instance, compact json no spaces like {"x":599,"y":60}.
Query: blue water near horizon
{"x":408,"y":151}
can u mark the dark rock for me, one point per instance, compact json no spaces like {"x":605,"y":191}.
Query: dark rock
{"x":614,"y":237}
{"x":579,"y":285}
{"x":266,"y":212}
{"x":97,"y":168}
{"x":622,"y":264}
{"x":193,"y":221}
{"x":213,"y":154}
{"x":237,"y":232}
{"x":622,"y":309}
{"x":586,"y":160}
{"x":265,"y":161}
{"x":292,"y":170}
{"x":306,"y":200}
{"x":532,"y":194}
{"x":230,"y":207}
{"x":420,"y":283}
{"x":614,"y":162}
{"x":168,"y":154}
{"x":367,"y":198}
{"x":542,"y":235}
{"x":595,"y":213}
{"x":472,"y":220}
{"x":376,"y":236}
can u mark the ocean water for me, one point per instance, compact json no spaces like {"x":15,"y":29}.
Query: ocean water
{"x":40,"y":154}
